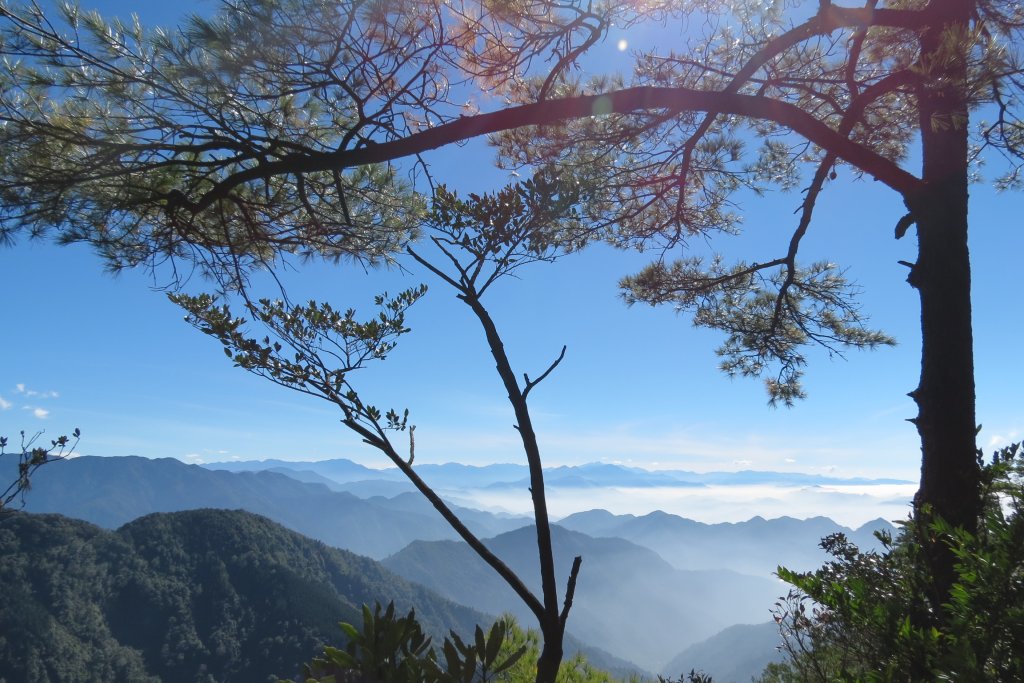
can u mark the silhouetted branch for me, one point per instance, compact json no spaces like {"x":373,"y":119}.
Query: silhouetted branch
{"x":530,"y":385}
{"x":626,"y":101}
{"x":570,"y":589}
{"x":384,"y":445}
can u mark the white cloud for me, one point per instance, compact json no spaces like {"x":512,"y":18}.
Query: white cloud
{"x":192,"y":458}
{"x":5,"y":405}
{"x":21,"y":388}
{"x":742,"y":463}
{"x":1000,"y":440}
{"x":789,"y":460}
{"x":848,"y":505}
{"x":699,"y":448}
{"x":41,"y":413}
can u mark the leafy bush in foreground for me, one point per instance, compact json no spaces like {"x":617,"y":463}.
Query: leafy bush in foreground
{"x":867,"y":616}
{"x":393,"y":649}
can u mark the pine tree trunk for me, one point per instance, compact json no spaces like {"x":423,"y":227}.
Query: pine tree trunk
{"x":945,"y":396}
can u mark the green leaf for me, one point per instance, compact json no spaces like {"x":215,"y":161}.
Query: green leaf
{"x":494,"y":642}
{"x":510,"y":662}
{"x":351,"y":631}
{"x":480,"y":643}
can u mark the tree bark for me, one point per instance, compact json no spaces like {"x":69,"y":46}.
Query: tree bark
{"x":945,"y":396}
{"x":552,"y":627}
{"x":550,"y":659}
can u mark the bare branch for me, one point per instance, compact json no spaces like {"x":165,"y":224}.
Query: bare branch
{"x":503,"y":570}
{"x":530,"y":385}
{"x":570,"y":590}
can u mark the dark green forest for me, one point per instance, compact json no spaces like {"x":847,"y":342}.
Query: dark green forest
{"x":205,"y":595}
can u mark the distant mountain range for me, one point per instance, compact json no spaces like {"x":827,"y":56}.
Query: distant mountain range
{"x":458,"y":476}
{"x":711,"y":496}
{"x":737,"y":654}
{"x":206,"y":595}
{"x":113,"y":491}
{"x":620,"y":584}
{"x":757,"y":546}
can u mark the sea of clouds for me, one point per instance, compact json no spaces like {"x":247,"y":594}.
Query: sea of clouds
{"x":850,"y":505}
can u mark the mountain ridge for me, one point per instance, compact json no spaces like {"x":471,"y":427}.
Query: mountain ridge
{"x":343,"y":470}
{"x":689,"y":544}
{"x":113,"y":491}
{"x":736,"y":654}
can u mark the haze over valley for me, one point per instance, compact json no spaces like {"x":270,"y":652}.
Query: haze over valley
{"x":711,"y":497}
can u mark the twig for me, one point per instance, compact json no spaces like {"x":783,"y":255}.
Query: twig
{"x":570,"y":590}
{"x":531,"y":385}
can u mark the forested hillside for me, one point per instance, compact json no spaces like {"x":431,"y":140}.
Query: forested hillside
{"x":205,"y":595}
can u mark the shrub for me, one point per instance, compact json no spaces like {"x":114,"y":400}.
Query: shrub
{"x":867,"y":616}
{"x":394,"y":649}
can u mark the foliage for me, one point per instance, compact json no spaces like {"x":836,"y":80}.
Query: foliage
{"x":394,"y":649}
{"x":30,"y":459}
{"x":693,"y":677}
{"x":763,"y":329}
{"x":868,"y":616}
{"x":575,"y":669}
{"x":324,"y":345}
{"x":211,"y":92}
{"x":388,"y":650}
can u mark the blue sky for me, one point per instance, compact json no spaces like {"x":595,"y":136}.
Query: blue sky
{"x":639,"y":385}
